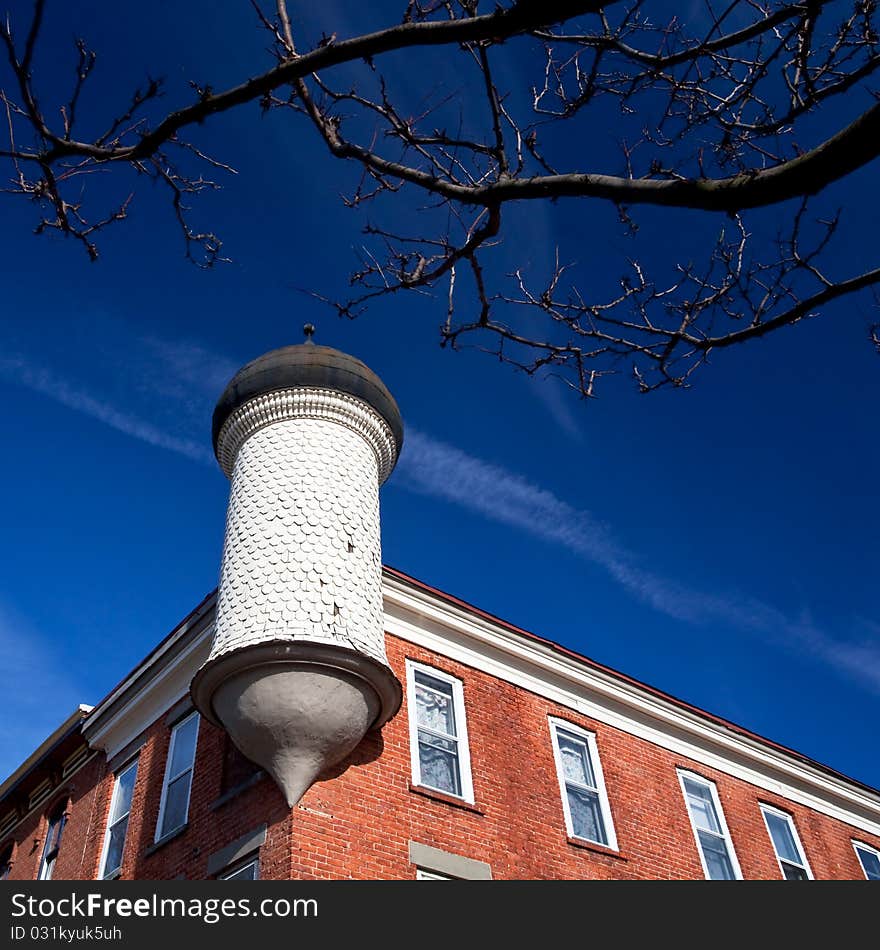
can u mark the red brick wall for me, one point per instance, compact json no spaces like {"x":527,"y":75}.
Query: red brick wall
{"x":83,"y":794}
{"x":358,"y":820}
{"x":208,"y":828}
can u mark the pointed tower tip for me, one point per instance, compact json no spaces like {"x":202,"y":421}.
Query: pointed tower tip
{"x":295,"y":719}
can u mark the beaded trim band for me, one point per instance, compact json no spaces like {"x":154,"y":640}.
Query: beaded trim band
{"x":324,"y":404}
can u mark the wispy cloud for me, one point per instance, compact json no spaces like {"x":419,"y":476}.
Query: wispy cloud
{"x":550,"y":391}
{"x":19,"y":370}
{"x":443,"y":471}
{"x":185,"y":373}
{"x":435,"y":468}
{"x":36,"y":685}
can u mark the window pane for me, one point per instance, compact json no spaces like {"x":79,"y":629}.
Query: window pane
{"x":175,"y":804}
{"x":53,"y":843}
{"x":115,"y":846}
{"x":53,"y":835}
{"x":716,"y":857}
{"x":792,"y":873}
{"x":870,"y":863}
{"x":124,"y":789}
{"x":184,"y":746}
{"x":438,"y":763}
{"x":586,"y":817}
{"x":576,"y":765}
{"x":783,"y":840}
{"x":247,"y":873}
{"x":702,"y":807}
{"x":434,"y":706}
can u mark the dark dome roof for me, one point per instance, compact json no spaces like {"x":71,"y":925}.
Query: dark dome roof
{"x":317,"y":367}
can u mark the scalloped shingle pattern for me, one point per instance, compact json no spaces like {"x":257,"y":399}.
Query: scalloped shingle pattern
{"x":307,"y":403}
{"x":302,"y":555}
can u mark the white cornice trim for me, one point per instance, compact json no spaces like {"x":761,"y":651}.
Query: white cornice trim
{"x":154,"y":686}
{"x":204,"y":613}
{"x":79,"y":713}
{"x":307,"y":403}
{"x":422,"y":618}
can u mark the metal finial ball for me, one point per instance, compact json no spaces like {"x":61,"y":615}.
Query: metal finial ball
{"x":309,"y":330}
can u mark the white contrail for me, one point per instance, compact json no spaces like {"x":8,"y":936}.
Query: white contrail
{"x":48,"y":384}
{"x":443,"y":471}
{"x":36,"y":686}
{"x":435,"y":468}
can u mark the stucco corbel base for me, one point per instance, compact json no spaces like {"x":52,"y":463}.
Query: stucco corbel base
{"x":296,"y":708}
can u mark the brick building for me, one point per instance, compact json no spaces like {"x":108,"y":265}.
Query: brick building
{"x":502,"y":812}
{"x":389,"y":730}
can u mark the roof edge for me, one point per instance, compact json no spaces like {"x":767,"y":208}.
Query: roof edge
{"x":137,"y":676}
{"x":733,"y":727}
{"x":42,"y":752}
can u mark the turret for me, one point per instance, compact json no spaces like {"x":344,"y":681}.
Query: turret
{"x":297,"y":672}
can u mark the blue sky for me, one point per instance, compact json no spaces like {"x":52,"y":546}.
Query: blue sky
{"x":718,"y":543}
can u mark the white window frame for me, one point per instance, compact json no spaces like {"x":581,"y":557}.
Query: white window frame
{"x":170,"y":778}
{"x":239,"y":866}
{"x":47,"y":864}
{"x":6,"y":854}
{"x":719,"y":814}
{"x":784,"y":815}
{"x":132,"y":764}
{"x":423,"y":875}
{"x":860,"y":845}
{"x":589,"y":739}
{"x":464,"y":754}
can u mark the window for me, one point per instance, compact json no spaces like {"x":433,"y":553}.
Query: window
{"x":117,"y":823}
{"x":438,"y":737}
{"x":238,"y":860}
{"x":6,"y":862}
{"x":174,"y":805}
{"x":435,"y":864}
{"x":584,"y":800}
{"x":869,"y":858}
{"x":237,"y":768}
{"x":710,"y":829}
{"x":57,"y":820}
{"x":787,"y":845}
{"x":244,"y":872}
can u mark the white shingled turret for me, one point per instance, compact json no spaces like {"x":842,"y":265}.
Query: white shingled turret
{"x":297,"y":672}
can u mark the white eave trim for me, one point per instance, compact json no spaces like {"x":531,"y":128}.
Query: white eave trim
{"x":76,"y":716}
{"x":424,"y":619}
{"x":153,"y":686}
{"x":156,"y":683}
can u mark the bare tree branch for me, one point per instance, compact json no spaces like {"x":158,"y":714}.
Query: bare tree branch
{"x":716,"y":116}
